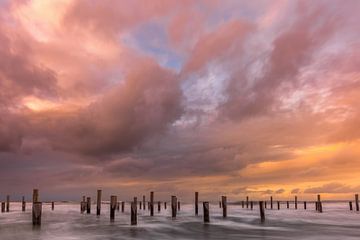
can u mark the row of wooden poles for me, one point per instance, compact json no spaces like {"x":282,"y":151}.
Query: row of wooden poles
{"x":85,"y":206}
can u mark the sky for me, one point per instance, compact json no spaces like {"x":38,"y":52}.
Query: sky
{"x":238,"y":98}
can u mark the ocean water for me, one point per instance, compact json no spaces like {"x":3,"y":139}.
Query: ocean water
{"x":67,"y":223}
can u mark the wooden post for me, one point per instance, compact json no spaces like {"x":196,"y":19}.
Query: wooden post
{"x":357,"y":202}
{"x":52,"y":206}
{"x":295,"y":202}
{"x":88,"y":205}
{"x":242,"y":204}
{"x":35,"y":195}
{"x":262,"y":211}
{"x":173,"y":206}
{"x":271,"y":202}
{"x":206,"y":212}
{"x":265,"y":203}
{"x":135,"y":201}
{"x":247,"y":201}
{"x":165,"y":205}
{"x":287,"y":204}
{"x":278,"y":204}
{"x":219,"y":204}
{"x":36,"y":213}
{"x":140,"y":206}
{"x":2,"y":206}
{"x":159,"y":206}
{"x":117,"y":206}
{"x":319,"y":205}
{"x":178,"y":206}
{"x":151,"y":203}
{"x":305,"y":205}
{"x":350,"y":205}
{"x":224,"y":206}
{"x":7,"y":203}
{"x":98,"y":202}
{"x":144,"y":207}
{"x":197,"y":204}
{"x":23,"y":205}
{"x":122,"y":206}
{"x":113,"y":201}
{"x":133,"y":213}
{"x":251,"y":205}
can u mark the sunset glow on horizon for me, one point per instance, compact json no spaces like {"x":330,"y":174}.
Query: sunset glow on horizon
{"x":230,"y":97}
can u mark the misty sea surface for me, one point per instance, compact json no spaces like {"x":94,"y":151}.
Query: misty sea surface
{"x":67,"y":223}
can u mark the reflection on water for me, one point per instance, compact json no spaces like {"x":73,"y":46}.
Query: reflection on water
{"x":66,"y":222}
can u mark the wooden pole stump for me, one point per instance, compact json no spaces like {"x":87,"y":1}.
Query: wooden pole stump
{"x":242,"y":204}
{"x":88,"y":205}
{"x":36,"y":213}
{"x":35,"y":195}
{"x":178,"y":204}
{"x":305,"y":205}
{"x":247,"y":201}
{"x":122,"y":206}
{"x":271,"y":202}
{"x":98,"y":202}
{"x":173,"y":206}
{"x":133,"y":213}
{"x":262,"y":211}
{"x":2,"y":206}
{"x":52,"y":206}
{"x":7,"y":203}
{"x":140,"y":206}
{"x":251,"y":205}
{"x":357,"y":202}
{"x":206,"y":212}
{"x":113,"y":202}
{"x":265,"y":203}
{"x":196,"y":203}
{"x":144,"y":207}
{"x":295,"y":202}
{"x":23,"y":204}
{"x":350,"y":205}
{"x":165,"y":205}
{"x":117,"y":206}
{"x":159,"y":206}
{"x":278,"y":205}
{"x":287,"y":204}
{"x":224,"y":206}
{"x":151,"y":203}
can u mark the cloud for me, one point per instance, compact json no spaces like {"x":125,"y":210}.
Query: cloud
{"x":333,"y":188}
{"x":295,"y":191}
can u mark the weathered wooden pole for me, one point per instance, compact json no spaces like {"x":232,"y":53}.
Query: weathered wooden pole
{"x":140,"y":206}
{"x":151,"y":203}
{"x":319,"y":204}
{"x":224,"y":206}
{"x":178,"y":204}
{"x":35,"y":195}
{"x":98,"y":202}
{"x":350,"y":205}
{"x":133,"y":213}
{"x":82,"y":206}
{"x":262,"y":211}
{"x":165,"y":205}
{"x":159,"y":206}
{"x":251,"y":205}
{"x":265,"y":203}
{"x":357,"y":202}
{"x":122,"y":206}
{"x":117,"y":206}
{"x":2,"y":206}
{"x":287,"y":204}
{"x":305,"y":205}
{"x":206,"y":212}
{"x":278,"y":205}
{"x":7,"y":203}
{"x":36,"y":208}
{"x":113,"y":201}
{"x":144,"y":206}
{"x":173,"y":206}
{"x":219,"y":204}
{"x":247,"y":201}
{"x":23,"y":204}
{"x":52,"y":206}
{"x":36,"y":213}
{"x":271,"y":202}
{"x":88,"y":205}
{"x":197,"y":204}
{"x":242,"y":204}
{"x":135,"y":201}
{"x":295,"y":202}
